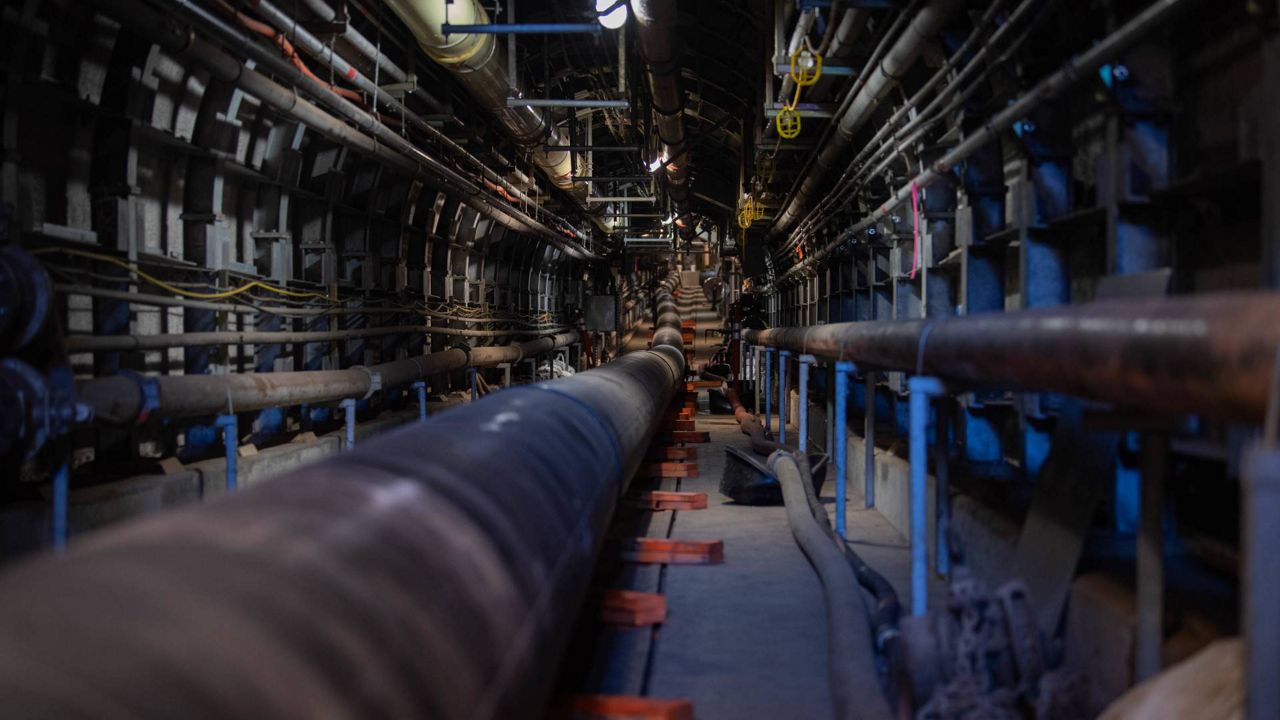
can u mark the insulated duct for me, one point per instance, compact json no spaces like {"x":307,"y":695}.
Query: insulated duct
{"x":927,"y":23}
{"x":656,"y":31}
{"x":479,"y":62}
{"x":434,"y":571}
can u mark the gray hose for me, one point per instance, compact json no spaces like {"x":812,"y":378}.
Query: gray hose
{"x":855,"y":688}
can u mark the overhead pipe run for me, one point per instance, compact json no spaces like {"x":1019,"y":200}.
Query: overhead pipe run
{"x":403,"y":578}
{"x":479,"y":62}
{"x":127,"y":399}
{"x":931,"y":19}
{"x":181,"y":42}
{"x":1210,"y":354}
{"x":1079,"y":66}
{"x":314,"y":46}
{"x":656,"y":32}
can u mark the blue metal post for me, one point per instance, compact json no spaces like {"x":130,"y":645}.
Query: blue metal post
{"x":533,"y":370}
{"x":922,"y":389}
{"x":782,"y":395}
{"x":839,"y":437}
{"x":475,"y":384}
{"x":768,"y":388}
{"x":942,"y":492}
{"x":869,"y":442}
{"x":755,"y":379}
{"x":1259,"y":535}
{"x":829,"y":443}
{"x":230,"y":438}
{"x":349,"y":406}
{"x":421,"y":388}
{"x":805,"y":362}
{"x":61,"y":491}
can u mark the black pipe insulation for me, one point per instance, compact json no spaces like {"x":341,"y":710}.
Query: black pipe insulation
{"x":434,"y":571}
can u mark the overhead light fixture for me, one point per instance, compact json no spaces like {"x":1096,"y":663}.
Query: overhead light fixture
{"x":612,"y":14}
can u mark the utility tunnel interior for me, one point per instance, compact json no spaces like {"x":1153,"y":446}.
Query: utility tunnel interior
{"x":660,"y":359}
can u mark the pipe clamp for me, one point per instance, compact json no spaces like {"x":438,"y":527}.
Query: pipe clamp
{"x":148,"y":389}
{"x":375,"y":380}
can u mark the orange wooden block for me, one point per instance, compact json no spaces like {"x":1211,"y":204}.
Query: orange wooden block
{"x":686,"y":336}
{"x":686,"y":425}
{"x":668,"y":500}
{"x":669,"y":470}
{"x":663,"y":453}
{"x":628,"y":707}
{"x":695,"y":385}
{"x":631,"y":608}
{"x":688,"y":324}
{"x":690,"y":437}
{"x":673,"y":552}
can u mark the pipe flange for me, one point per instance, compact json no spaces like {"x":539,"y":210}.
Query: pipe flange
{"x":27,"y":423}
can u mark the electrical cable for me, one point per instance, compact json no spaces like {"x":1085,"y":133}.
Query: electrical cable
{"x":217,"y":295}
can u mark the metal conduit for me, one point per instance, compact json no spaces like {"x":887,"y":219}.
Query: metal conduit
{"x":434,"y":571}
{"x":373,"y":53}
{"x":298,"y":32}
{"x":292,"y":311}
{"x":886,"y":139}
{"x":120,"y":400}
{"x":124,"y":343}
{"x":1079,"y":66}
{"x":924,"y":26}
{"x":1209,"y":354}
{"x":181,"y":42}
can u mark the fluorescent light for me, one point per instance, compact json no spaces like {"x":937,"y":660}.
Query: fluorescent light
{"x":612,"y":14}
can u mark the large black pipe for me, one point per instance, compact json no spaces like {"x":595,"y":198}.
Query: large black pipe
{"x":435,"y":571}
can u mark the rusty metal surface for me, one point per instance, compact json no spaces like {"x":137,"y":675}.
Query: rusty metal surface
{"x":434,"y":571}
{"x":1209,"y":354}
{"x":118,"y":399}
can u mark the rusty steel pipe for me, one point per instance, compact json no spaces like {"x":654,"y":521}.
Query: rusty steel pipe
{"x":1209,"y":353}
{"x":125,"y":343}
{"x":120,"y":399}
{"x":433,"y":571}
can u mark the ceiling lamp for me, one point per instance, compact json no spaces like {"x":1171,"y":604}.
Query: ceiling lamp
{"x":612,"y":14}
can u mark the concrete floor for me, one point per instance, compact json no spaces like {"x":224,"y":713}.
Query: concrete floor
{"x":745,"y":639}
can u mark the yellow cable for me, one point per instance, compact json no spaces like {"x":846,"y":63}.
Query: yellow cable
{"x":218,"y":295}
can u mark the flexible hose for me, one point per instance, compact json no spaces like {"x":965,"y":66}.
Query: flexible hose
{"x":855,"y":689}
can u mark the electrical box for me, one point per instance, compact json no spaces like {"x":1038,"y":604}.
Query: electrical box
{"x":602,"y":313}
